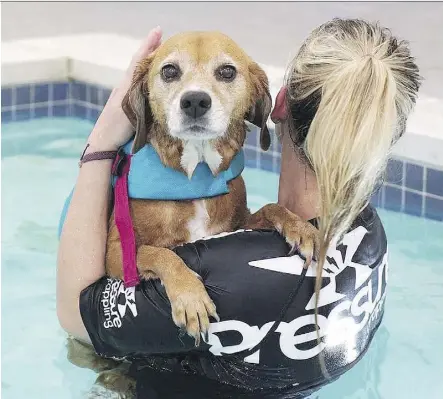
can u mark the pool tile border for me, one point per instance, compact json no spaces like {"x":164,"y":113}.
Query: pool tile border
{"x":408,"y":187}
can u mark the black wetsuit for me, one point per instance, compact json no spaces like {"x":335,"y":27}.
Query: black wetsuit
{"x":249,"y":277}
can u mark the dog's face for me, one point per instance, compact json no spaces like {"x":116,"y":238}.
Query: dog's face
{"x":199,"y":83}
{"x":195,"y":85}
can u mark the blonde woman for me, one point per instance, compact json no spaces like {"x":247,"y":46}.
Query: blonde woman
{"x":282,"y":334}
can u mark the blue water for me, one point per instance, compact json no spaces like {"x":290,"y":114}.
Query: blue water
{"x":39,"y":167}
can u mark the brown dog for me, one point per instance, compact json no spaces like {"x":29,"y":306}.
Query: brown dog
{"x":190,"y":100}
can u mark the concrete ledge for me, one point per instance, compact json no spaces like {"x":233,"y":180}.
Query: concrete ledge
{"x":102,"y":59}
{"x":419,"y":148}
{"x":103,"y":75}
{"x":35,"y":71}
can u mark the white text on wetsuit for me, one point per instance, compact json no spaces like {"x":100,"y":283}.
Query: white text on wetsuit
{"x":339,"y":327}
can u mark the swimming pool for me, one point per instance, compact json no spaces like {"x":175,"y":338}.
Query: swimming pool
{"x":39,"y":167}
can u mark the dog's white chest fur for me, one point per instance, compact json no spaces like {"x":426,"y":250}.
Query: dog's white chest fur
{"x":198,"y":225}
{"x":195,"y":151}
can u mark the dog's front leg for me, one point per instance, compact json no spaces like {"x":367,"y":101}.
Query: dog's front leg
{"x":190,"y":303}
{"x":300,"y":235}
{"x":114,"y":254}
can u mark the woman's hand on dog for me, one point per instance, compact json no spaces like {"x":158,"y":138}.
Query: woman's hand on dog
{"x":113,"y":128}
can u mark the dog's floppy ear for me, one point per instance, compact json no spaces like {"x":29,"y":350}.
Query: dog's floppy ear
{"x":262,"y":103}
{"x":135,"y":105}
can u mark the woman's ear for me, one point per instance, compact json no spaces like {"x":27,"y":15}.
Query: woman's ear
{"x":135,"y":104}
{"x":280,"y":111}
{"x":261,"y":107}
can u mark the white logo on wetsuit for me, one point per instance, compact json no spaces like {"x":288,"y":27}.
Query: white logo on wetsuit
{"x":344,"y":321}
{"x":112,"y":296}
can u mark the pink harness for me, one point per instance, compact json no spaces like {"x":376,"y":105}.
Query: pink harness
{"x":123,"y":220}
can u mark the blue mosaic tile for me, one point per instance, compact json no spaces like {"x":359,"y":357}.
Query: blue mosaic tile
{"x":250,"y":163}
{"x":23,"y":95}
{"x":41,"y":112}
{"x":105,"y":95}
{"x":376,"y":199}
{"x":79,"y":111}
{"x":6,"y":97}
{"x":6,"y":116}
{"x":250,"y":158}
{"x":71,"y":109}
{"x":413,"y":203}
{"x":434,"y":208}
{"x":414,"y":177}
{"x":394,"y":172}
{"x":78,"y":91}
{"x":273,"y":138}
{"x":60,"y":110}
{"x":266,"y":162}
{"x":23,"y":114}
{"x":60,"y":91}
{"x":389,"y":197}
{"x":252,"y":137}
{"x":93,"y":114}
{"x":93,"y":95}
{"x":41,"y":93}
{"x":392,"y":198}
{"x":275,"y":144}
{"x":434,"y":181}
{"x":81,"y":95}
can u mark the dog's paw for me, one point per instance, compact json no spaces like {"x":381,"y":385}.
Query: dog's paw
{"x":191,"y":306}
{"x":303,"y":238}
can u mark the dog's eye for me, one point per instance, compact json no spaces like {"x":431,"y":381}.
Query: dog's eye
{"x":170,"y":72}
{"x":226,"y":73}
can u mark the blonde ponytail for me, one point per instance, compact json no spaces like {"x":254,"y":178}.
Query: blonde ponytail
{"x":362,"y":85}
{"x":349,"y":140}
{"x":347,"y":146}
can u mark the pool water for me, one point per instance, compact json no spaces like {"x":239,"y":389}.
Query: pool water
{"x":39,"y":168}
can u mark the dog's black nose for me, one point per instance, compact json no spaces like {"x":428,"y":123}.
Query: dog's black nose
{"x":195,"y":103}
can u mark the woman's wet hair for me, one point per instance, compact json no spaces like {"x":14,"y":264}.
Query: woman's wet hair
{"x":304,"y":100}
{"x":350,"y":90}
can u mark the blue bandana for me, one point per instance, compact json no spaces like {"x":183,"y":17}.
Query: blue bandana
{"x":149,"y":179}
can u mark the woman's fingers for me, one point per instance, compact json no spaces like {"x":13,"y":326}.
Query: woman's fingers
{"x":150,"y":44}
{"x":113,"y":125}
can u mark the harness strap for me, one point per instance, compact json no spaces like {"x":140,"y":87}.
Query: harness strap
{"x":123,"y":220}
